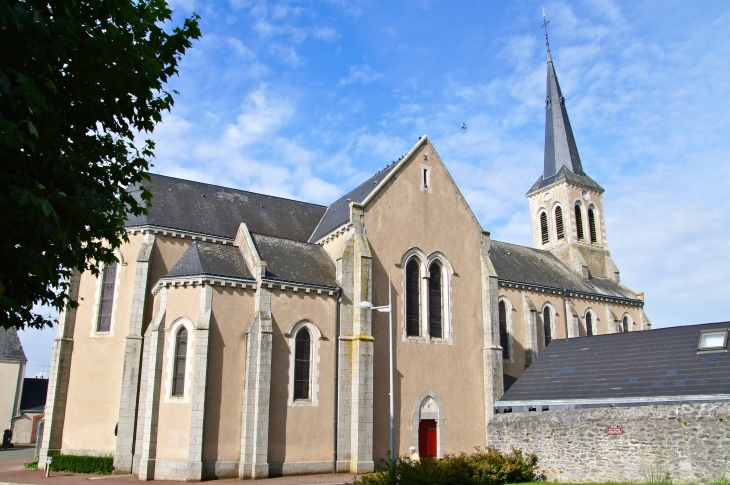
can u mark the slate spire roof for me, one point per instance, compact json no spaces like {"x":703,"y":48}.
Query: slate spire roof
{"x":562,"y":160}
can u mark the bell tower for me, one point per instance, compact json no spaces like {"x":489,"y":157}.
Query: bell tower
{"x":566,"y":205}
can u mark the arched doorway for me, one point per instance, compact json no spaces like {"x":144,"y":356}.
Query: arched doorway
{"x":428,"y":427}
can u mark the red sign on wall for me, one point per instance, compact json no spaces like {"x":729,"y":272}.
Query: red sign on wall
{"x":617,"y":429}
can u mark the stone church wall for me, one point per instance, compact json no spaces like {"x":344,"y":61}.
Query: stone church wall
{"x":687,"y":443}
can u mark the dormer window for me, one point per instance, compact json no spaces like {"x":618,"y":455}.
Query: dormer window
{"x":713,"y":340}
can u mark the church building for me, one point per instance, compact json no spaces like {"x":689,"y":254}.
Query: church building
{"x":235,"y":336}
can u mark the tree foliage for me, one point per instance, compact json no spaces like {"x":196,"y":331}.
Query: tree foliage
{"x":78,"y":80}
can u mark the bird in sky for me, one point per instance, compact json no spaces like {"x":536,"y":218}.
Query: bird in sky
{"x":463,"y":126}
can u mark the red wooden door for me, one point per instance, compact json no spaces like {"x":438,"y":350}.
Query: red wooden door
{"x":427,"y":438}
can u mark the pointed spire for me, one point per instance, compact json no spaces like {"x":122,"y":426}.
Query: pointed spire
{"x":560,"y":148}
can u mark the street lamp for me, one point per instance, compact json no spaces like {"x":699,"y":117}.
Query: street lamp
{"x":389,"y":310}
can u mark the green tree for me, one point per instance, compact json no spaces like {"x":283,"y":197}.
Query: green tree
{"x":78,"y":80}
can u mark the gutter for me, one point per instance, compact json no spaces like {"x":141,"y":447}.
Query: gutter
{"x":501,"y":407}
{"x":337,"y":380}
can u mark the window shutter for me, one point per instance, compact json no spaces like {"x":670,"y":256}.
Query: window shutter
{"x":544,"y":228}
{"x":592,"y":225}
{"x":559,"y":223}
{"x":579,"y":221}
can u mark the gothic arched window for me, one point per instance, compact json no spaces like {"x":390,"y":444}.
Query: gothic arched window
{"x":181,"y":353}
{"x":544,"y":228}
{"x":503,"y":333}
{"x":413,"y":303}
{"x":578,"y":222}
{"x":302,"y":360}
{"x":589,"y":324}
{"x":626,"y":323}
{"x":592,"y":225}
{"x":559,"y":228}
{"x":547,"y":325}
{"x":106,"y":300}
{"x":435,"y":302}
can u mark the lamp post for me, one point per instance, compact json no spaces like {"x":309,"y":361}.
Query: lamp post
{"x":389,"y":310}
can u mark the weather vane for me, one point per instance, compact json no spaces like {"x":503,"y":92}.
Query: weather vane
{"x":545,"y":23}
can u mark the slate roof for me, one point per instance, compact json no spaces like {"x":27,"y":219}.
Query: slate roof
{"x":520,"y":264}
{"x":294,"y":261}
{"x":570,"y":177}
{"x":10,"y":346}
{"x":339,"y":212}
{"x":657,"y":366}
{"x":34,"y":394}
{"x":218,"y":211}
{"x":211,"y":259}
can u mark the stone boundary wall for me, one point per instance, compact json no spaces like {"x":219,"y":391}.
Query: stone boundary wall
{"x":689,"y":442}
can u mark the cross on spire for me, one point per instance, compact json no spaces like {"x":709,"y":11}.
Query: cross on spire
{"x":545,"y":23}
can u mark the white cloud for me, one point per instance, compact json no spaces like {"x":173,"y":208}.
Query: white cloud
{"x":361,"y":74}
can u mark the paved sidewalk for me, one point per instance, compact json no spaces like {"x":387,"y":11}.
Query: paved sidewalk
{"x":17,"y":476}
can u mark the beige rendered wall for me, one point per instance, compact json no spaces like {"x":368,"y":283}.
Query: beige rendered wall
{"x":232,"y":312}
{"x":173,"y":427}
{"x":167,"y":251}
{"x":301,"y":432}
{"x":400,"y":217}
{"x":9,"y":371}
{"x":96,"y":378}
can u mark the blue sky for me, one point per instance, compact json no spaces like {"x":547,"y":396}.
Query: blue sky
{"x":306,"y":99}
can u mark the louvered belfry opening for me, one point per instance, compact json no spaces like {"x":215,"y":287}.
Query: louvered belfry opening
{"x":413,"y":304}
{"x":503,"y":335}
{"x":181,"y":352}
{"x":435,"y":314}
{"x":547,"y":326}
{"x":592,"y":225}
{"x":589,"y":324}
{"x":106,"y":303}
{"x":560,"y":229}
{"x":544,"y":228}
{"x":578,"y":222}
{"x":302,"y":359}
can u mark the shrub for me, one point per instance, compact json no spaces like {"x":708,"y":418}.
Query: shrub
{"x":31,"y":465}
{"x":101,"y":465}
{"x":488,"y":467}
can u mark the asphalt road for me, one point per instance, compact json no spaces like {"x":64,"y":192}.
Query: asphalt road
{"x":25,"y":452}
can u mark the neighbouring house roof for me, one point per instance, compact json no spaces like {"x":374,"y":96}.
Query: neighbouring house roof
{"x":211,"y":259}
{"x":520,"y":264}
{"x":338,"y":213}
{"x":650,"y":367}
{"x":294,"y":261}
{"x":10,"y":346}
{"x":34,"y":394}
{"x":218,"y":211}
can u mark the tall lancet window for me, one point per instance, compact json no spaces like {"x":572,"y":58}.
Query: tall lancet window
{"x":302,"y":360}
{"x":181,"y":352}
{"x":592,"y":225}
{"x":579,"y":222}
{"x":544,"y":228}
{"x":626,"y":324}
{"x":413,"y":303}
{"x":503,"y":333}
{"x":589,"y":324}
{"x":106,"y":302}
{"x":560,"y":229}
{"x":547,"y":325}
{"x":435,"y":310}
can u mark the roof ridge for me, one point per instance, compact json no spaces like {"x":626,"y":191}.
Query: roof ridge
{"x":238,"y":190}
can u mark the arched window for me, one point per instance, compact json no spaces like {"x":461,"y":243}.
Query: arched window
{"x":626,"y":323}
{"x":546,"y":323}
{"x":503,"y":334}
{"x":302,"y":360}
{"x":413,"y":303}
{"x":435,"y":305}
{"x":181,"y":352}
{"x":559,"y":228}
{"x":106,"y":301}
{"x":589,"y":324}
{"x":544,"y":228}
{"x":579,"y":222}
{"x":592,"y":225}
